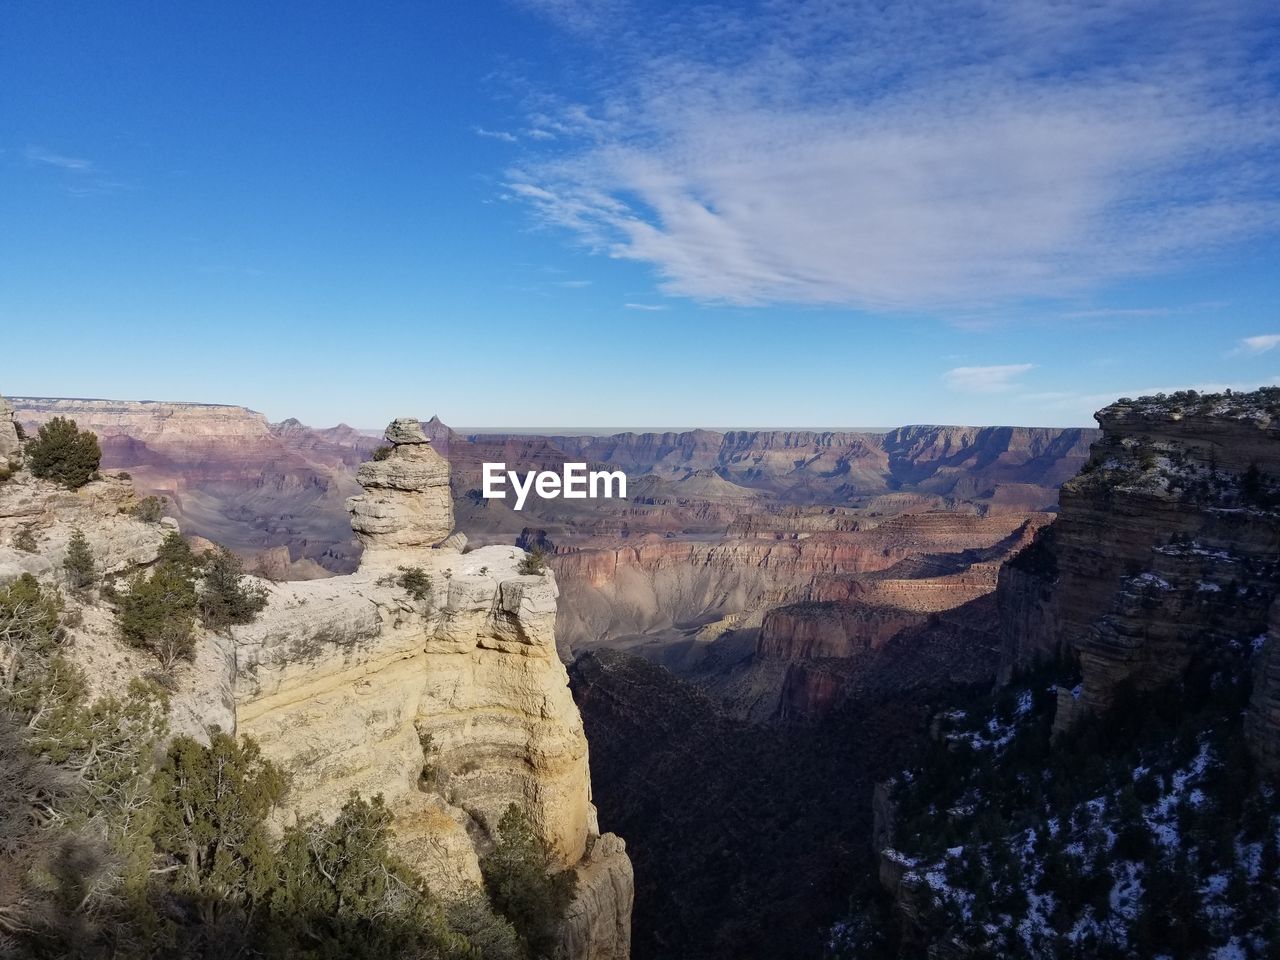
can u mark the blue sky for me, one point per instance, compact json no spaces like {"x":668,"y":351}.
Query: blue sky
{"x":611,"y":213}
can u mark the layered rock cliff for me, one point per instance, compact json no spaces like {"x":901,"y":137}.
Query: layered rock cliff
{"x":10,"y":445}
{"x":449,"y":701}
{"x":1167,"y":546}
{"x":1118,"y":809}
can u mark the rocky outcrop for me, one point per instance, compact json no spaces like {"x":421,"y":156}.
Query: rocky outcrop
{"x":42,"y":516}
{"x":428,"y":676}
{"x":449,"y":701}
{"x":10,"y":445}
{"x":813,"y":630}
{"x":48,"y":513}
{"x":1167,"y":546}
{"x":228,"y":474}
{"x":406,"y":503}
{"x":602,"y":907}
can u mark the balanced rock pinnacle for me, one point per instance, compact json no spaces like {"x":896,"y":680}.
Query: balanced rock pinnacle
{"x":406,"y":503}
{"x":405,"y":430}
{"x":10,"y":445}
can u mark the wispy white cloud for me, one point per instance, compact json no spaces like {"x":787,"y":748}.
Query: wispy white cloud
{"x":39,"y":155}
{"x":994,"y":379}
{"x":904,"y":155}
{"x":573,"y":284}
{"x":652,"y":307}
{"x":1262,"y":343}
{"x":503,"y":135}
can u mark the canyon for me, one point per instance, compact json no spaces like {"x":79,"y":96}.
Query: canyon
{"x":230,"y":476}
{"x":761,"y":639}
{"x":756,"y":596}
{"x":876,"y":531}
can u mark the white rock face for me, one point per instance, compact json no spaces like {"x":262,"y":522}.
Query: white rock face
{"x":121,"y":545}
{"x":49,"y":513}
{"x":10,"y":446}
{"x":406,"y":502}
{"x":602,"y":907}
{"x":452,"y":706}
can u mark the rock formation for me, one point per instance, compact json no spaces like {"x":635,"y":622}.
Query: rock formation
{"x":406,"y":503}
{"x":450,"y":702}
{"x":1167,"y":546}
{"x":10,"y":445}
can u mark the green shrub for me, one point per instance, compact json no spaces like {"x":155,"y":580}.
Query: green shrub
{"x":534,"y":563}
{"x":149,"y":509}
{"x":487,"y":932}
{"x":225,"y":598}
{"x":522,"y":884}
{"x":65,"y":454}
{"x":176,"y":552}
{"x":211,"y":819}
{"x":341,"y":887}
{"x":382,"y":452}
{"x":415,"y":582}
{"x":158,"y":614}
{"x":78,"y":564}
{"x":29,"y":616}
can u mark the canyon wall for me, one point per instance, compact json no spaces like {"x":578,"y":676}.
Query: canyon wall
{"x":451,"y":703}
{"x":1167,"y":546}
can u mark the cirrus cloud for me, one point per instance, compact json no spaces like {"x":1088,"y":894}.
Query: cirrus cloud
{"x":1262,"y":343}
{"x":911,"y":155}
{"x":993,"y":379}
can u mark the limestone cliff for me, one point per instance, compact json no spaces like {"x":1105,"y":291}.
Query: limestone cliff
{"x":10,"y":445}
{"x":450,"y":703}
{"x":1167,"y":545}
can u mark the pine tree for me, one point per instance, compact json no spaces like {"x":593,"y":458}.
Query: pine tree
{"x":63,"y":453}
{"x":225,"y":598}
{"x":158,"y":614}
{"x":534,"y":563}
{"x":176,"y":552}
{"x":79,"y":566}
{"x":521,"y":884}
{"x":211,"y":820}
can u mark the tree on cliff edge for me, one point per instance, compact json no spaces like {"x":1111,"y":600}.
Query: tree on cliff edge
{"x":64,"y":453}
{"x":226,"y":598}
{"x":523,"y":884}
